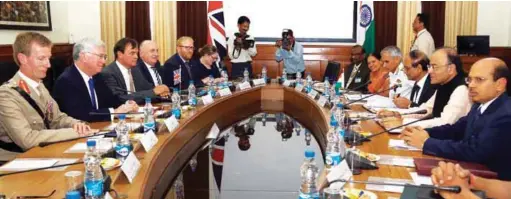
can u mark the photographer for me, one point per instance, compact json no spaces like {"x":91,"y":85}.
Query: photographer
{"x":241,"y":48}
{"x":291,"y":52}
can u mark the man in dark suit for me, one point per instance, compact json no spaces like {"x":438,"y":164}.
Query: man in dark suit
{"x":81,"y":90}
{"x":149,"y":64}
{"x":125,"y":80}
{"x":178,"y":68}
{"x":482,"y":136}
{"x":357,"y":73}
{"x":416,"y":69}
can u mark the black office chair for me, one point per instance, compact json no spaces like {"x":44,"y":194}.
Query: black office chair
{"x":332,"y":71}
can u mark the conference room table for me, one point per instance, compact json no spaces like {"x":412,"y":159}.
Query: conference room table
{"x":170,"y":157}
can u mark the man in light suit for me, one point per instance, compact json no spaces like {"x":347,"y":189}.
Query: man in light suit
{"x":482,"y":136}
{"x":125,"y":80}
{"x":28,"y":114}
{"x":80,"y":90}
{"x":357,"y":73}
{"x":149,"y":64}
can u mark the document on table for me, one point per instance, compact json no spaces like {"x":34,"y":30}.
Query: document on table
{"x":399,"y":110}
{"x":418,"y":180}
{"x":396,"y":160}
{"x":102,"y":144}
{"x":379,"y":102}
{"x":400,"y":144}
{"x":21,"y":164}
{"x":353,"y":97}
{"x":387,"y":188}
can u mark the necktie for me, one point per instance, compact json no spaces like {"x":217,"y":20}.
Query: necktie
{"x":92,"y":93}
{"x":187,"y":66}
{"x":132,"y":85}
{"x":158,"y":77}
{"x":478,"y":114}
{"x":352,"y":76}
{"x":415,"y":93}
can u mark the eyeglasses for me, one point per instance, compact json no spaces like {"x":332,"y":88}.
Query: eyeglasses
{"x":476,"y":80}
{"x":188,"y":47}
{"x":99,"y":55}
{"x":436,"y":67}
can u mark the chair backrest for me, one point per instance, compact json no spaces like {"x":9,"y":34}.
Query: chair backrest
{"x":332,"y":71}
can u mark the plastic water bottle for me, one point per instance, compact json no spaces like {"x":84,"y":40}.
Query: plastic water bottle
{"x":298,"y":78}
{"x":192,"y":97}
{"x":333,"y":156}
{"x":149,"y":123}
{"x":326,"y":87}
{"x":123,"y":145}
{"x":176,"y":103}
{"x":93,"y":178}
{"x":225,"y":79}
{"x":309,"y":173}
{"x":211,"y":89}
{"x":308,"y":87}
{"x":284,"y":75}
{"x":245,"y":75}
{"x":264,"y":73}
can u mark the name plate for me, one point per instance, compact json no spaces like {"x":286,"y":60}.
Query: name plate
{"x":299,"y":87}
{"x":224,"y":92}
{"x":258,"y":82}
{"x":207,"y":99}
{"x":286,"y":83}
{"x":213,"y":132}
{"x":171,"y":123}
{"x":245,"y":85}
{"x":130,"y":167}
{"x":322,"y":101}
{"x":341,"y":171}
{"x":149,"y":140}
{"x":313,"y":94}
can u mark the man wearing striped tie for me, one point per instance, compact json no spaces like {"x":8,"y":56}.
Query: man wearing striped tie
{"x":149,"y":64}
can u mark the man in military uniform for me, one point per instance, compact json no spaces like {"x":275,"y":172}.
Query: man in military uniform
{"x":28,"y":114}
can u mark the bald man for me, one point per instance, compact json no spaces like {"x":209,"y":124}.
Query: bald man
{"x":483,"y":135}
{"x":149,"y":64}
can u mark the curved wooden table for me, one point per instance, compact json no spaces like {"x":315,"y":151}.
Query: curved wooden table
{"x":170,"y":155}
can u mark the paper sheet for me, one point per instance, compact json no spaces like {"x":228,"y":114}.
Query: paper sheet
{"x":103,"y":145}
{"x":396,"y":160}
{"x":21,"y":164}
{"x":400,"y":144}
{"x":418,"y":180}
{"x":387,"y":188}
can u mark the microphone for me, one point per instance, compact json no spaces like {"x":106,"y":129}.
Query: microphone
{"x":359,"y":87}
{"x":363,"y":98}
{"x":42,"y":168}
{"x":452,"y":189}
{"x":411,"y":113}
{"x":385,"y":131}
{"x":44,"y":144}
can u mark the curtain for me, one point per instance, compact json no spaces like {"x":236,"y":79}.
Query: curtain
{"x":138,"y":22}
{"x":112,"y":24}
{"x":192,"y":21}
{"x":406,"y":13}
{"x":460,"y":19}
{"x":436,"y":12}
{"x":385,"y":18}
{"x":165,"y":20}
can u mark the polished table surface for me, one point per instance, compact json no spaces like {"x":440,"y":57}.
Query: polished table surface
{"x":170,"y":156}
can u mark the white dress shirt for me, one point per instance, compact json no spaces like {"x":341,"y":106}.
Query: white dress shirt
{"x":424,"y":43}
{"x":153,"y":75}
{"x":457,"y":107}
{"x":86,"y":80}
{"x":244,"y":55}
{"x":399,"y":77}
{"x":30,"y":82}
{"x":484,"y":106}
{"x":126,"y":76}
{"x":420,"y":83}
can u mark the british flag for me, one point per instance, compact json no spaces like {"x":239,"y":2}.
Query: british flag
{"x":216,"y":27}
{"x":217,"y":162}
{"x":177,"y":76}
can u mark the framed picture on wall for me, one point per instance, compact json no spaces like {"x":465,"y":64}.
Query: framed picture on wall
{"x":25,"y":15}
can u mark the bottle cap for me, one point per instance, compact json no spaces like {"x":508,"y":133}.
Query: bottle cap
{"x":309,"y":153}
{"x":91,"y":143}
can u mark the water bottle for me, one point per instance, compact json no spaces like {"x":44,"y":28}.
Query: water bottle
{"x":93,"y":178}
{"x":179,"y":187}
{"x":211,"y":89}
{"x":176,"y":103}
{"x":308,"y":87}
{"x":298,"y":78}
{"x":245,"y":75}
{"x":225,"y":79}
{"x":264,"y":73}
{"x":149,"y":123}
{"x":123,"y":145}
{"x":192,"y":97}
{"x":326,"y":87}
{"x":284,"y":75}
{"x":333,"y":156}
{"x":309,"y":173}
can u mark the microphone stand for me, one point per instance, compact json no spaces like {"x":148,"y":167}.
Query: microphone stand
{"x":397,"y":127}
{"x":452,"y":189}
{"x":42,"y":168}
{"x":363,"y":98}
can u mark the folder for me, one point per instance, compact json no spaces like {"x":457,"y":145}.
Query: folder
{"x":424,"y":166}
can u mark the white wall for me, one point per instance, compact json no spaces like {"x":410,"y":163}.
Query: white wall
{"x":77,"y":18}
{"x":494,"y":19}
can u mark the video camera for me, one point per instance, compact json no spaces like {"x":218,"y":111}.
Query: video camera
{"x":245,"y":43}
{"x":285,"y":41}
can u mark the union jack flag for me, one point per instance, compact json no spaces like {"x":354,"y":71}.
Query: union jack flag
{"x":177,"y":76}
{"x":216,"y":28}
{"x":217,"y":161}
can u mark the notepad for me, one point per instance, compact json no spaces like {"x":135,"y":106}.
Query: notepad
{"x":396,"y":160}
{"x":418,"y":180}
{"x":21,"y":164}
{"x":400,"y":144}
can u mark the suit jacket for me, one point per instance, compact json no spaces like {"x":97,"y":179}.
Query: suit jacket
{"x":20,"y":123}
{"x":425,"y":94}
{"x":73,"y":97}
{"x":145,"y":72}
{"x":115,"y":81}
{"x":479,"y":138}
{"x":360,"y":78}
{"x":174,"y":64}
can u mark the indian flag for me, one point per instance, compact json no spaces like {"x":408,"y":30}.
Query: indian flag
{"x":365,"y":28}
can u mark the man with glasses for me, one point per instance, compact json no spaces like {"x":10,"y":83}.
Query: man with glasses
{"x":357,"y":73}
{"x":483,"y":135}
{"x":177,"y":69}
{"x":80,"y":90}
{"x":125,"y":80}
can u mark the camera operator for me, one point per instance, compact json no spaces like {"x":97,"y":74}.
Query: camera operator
{"x":291,"y":52}
{"x":241,"y":48}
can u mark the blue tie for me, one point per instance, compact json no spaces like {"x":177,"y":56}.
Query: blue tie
{"x":92,"y":94}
